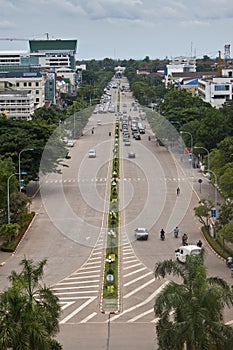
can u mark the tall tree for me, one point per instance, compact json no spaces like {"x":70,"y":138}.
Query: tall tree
{"x":30,"y":309}
{"x":191,"y":313}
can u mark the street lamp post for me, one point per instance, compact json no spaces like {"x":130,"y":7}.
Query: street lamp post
{"x":215,"y":188}
{"x":191,"y":144}
{"x":208,"y":160}
{"x":8,"y":195}
{"x":19,"y":168}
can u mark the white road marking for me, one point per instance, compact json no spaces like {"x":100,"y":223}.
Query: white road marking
{"x":152,"y":296}
{"x":136,"y":271}
{"x":79,"y":287}
{"x":66,"y":304}
{"x":88,"y":317}
{"x":140,"y":315}
{"x":75,"y":312}
{"x":137,"y":279}
{"x":79,"y":282}
{"x":139,"y":288}
{"x":131,"y":266}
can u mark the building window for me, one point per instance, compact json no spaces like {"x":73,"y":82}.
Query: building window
{"x":37,"y":99}
{"x":37,"y":92}
{"x":221,"y":88}
{"x":24,"y":84}
{"x":17,"y":84}
{"x":37,"y":84}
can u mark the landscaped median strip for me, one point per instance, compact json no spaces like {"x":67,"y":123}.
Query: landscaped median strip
{"x":110,"y":291}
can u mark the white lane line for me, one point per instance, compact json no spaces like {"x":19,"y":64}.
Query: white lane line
{"x":139,"y":288}
{"x":88,"y":317}
{"x":66,"y":304}
{"x":79,"y":287}
{"x":91,"y":267}
{"x":141,"y":315}
{"x":137,"y":279}
{"x":131,"y":256}
{"x":76,"y":311}
{"x":80,"y":292}
{"x":131,"y":266}
{"x":128,"y":253}
{"x":136,"y":271}
{"x":76,"y":298}
{"x":78,"y":282}
{"x":80,"y":277}
{"x":129,"y":261}
{"x":152,"y":296}
{"x":91,"y":263}
{"x":86,"y":272}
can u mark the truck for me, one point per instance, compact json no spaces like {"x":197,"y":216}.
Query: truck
{"x":182,"y":252}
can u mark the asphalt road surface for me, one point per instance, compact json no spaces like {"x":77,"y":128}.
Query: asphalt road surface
{"x":70,"y":230}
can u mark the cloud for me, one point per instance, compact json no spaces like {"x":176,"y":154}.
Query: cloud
{"x":6,"y":25}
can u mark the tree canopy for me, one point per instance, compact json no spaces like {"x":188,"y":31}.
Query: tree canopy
{"x":190,"y":312}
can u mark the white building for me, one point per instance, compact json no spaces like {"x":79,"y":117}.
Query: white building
{"x":16,"y":104}
{"x":217,"y":90}
{"x":179,"y":65}
{"x":30,"y":81}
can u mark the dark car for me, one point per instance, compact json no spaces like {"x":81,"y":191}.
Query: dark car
{"x":137,"y":136}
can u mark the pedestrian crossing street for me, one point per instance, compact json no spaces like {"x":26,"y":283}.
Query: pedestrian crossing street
{"x":104,"y":180}
{"x":80,"y":293}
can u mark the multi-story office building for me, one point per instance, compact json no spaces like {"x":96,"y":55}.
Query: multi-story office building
{"x":16,"y":104}
{"x":54,"y":53}
{"x":217,"y":90}
{"x":27,"y":81}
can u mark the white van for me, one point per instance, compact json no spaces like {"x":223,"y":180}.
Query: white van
{"x":185,"y":250}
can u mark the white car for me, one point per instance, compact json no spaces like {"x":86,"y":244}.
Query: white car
{"x":70,"y":143}
{"x":99,"y":122}
{"x":141,"y":233}
{"x":91,"y":153}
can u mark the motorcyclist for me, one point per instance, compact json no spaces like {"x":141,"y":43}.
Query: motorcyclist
{"x":162,"y":234}
{"x":185,"y":239}
{"x":176,"y":232}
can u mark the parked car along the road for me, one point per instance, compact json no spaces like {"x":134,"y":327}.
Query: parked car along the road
{"x":70,"y":143}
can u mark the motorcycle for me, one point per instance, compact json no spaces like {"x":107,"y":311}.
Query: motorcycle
{"x":162,"y":235}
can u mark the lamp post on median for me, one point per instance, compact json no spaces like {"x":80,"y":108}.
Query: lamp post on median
{"x":8,"y":195}
{"x":19,"y":166}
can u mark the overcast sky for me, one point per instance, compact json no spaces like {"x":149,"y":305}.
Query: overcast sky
{"x":121,"y":29}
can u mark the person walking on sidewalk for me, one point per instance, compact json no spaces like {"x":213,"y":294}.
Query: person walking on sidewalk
{"x":178,"y":191}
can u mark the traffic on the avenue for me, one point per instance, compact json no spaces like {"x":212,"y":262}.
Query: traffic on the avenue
{"x":157,"y":194}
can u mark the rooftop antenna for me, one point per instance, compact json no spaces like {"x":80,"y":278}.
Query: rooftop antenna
{"x":219,"y":69}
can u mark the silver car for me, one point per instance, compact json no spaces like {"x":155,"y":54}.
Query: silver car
{"x":92,"y":153}
{"x":141,"y":233}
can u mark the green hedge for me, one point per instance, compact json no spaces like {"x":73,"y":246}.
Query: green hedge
{"x":10,"y":247}
{"x":218,"y":244}
{"x":110,"y":289}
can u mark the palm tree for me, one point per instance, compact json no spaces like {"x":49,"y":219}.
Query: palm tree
{"x":29,"y":311}
{"x":191,"y":313}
